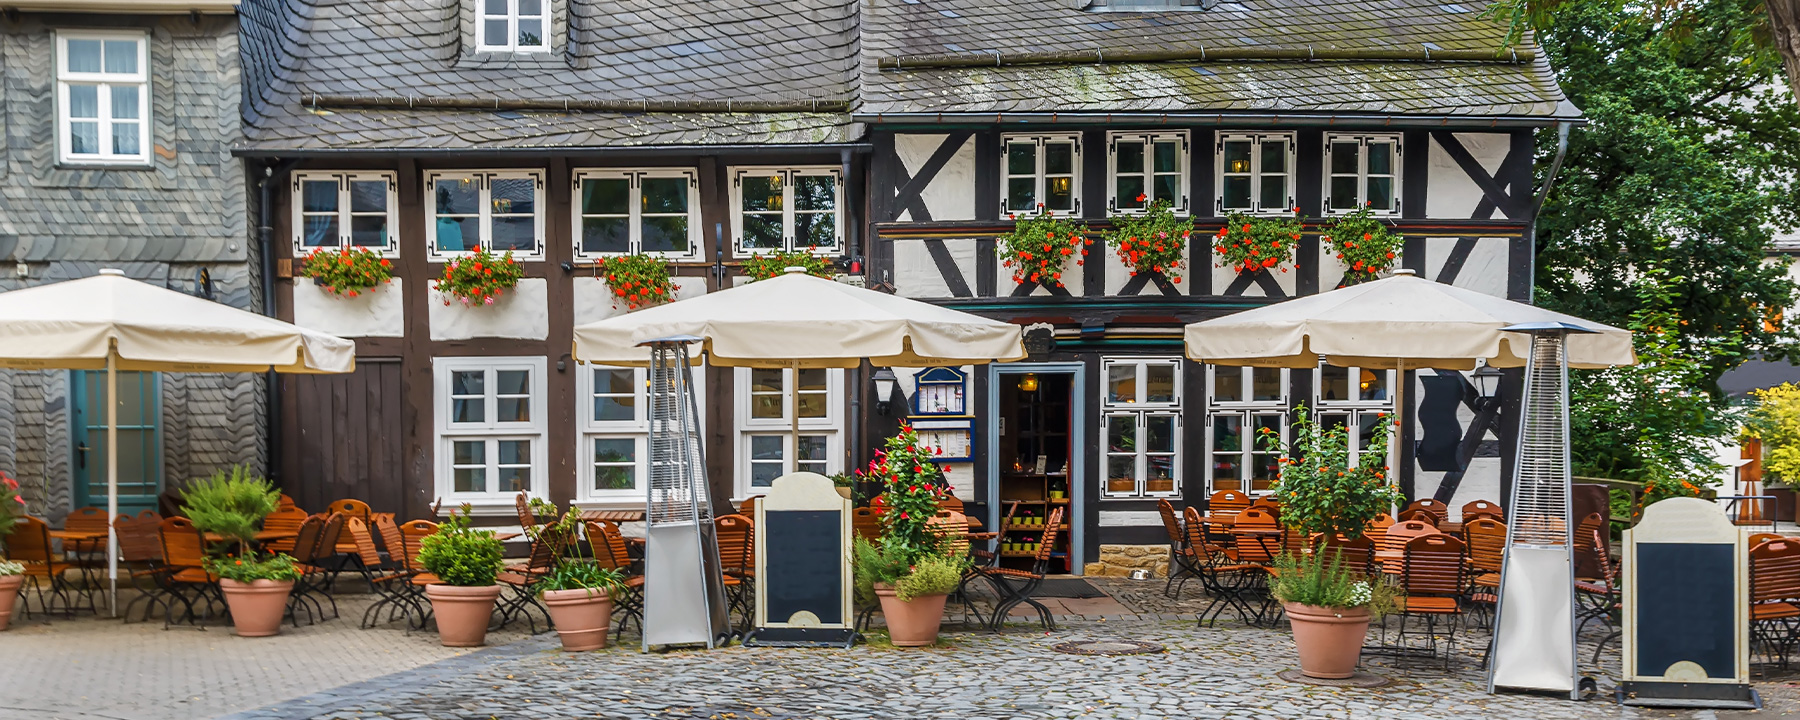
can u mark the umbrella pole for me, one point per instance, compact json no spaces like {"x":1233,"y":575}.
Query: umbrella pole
{"x":794,"y":417}
{"x":1399,"y":418}
{"x":112,"y":479}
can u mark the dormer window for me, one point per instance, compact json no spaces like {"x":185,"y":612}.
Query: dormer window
{"x":513,"y":26}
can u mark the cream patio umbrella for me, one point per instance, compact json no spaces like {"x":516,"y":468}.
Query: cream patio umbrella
{"x":800,"y":321}
{"x":111,"y":322}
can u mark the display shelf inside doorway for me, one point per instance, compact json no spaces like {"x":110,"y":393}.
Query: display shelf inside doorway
{"x":1107,"y":647}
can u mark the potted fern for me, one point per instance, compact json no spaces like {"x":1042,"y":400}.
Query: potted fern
{"x":232,"y":504}
{"x":578,"y":592}
{"x":467,"y":563}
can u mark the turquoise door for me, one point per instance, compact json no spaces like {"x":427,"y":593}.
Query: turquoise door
{"x":140,"y":439}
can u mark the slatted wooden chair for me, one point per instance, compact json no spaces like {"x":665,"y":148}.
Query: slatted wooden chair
{"x":391,"y":579}
{"x":866,"y":523}
{"x":1760,"y":538}
{"x":1184,"y":562}
{"x":747,"y":508}
{"x":1774,"y":588}
{"x":1228,"y":581}
{"x":140,"y":556}
{"x":610,"y":552}
{"x":45,"y":570}
{"x":1227,"y":503}
{"x":522,"y":507}
{"x":1586,"y":531}
{"x":1424,"y":516}
{"x":1485,"y":540}
{"x":184,"y":551}
{"x":1600,"y":599}
{"x":87,"y":519}
{"x":1015,"y":587}
{"x":520,"y":579}
{"x":1376,"y":530}
{"x":1393,"y":543}
{"x":346,"y":549}
{"x":1431,"y":576}
{"x":287,"y":519}
{"x":1481,"y":508}
{"x":1268,"y":504}
{"x":1357,"y":556}
{"x":304,"y":550}
{"x":737,"y":564}
{"x":1437,"y":510}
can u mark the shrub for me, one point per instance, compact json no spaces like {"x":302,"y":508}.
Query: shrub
{"x":462,"y":556}
{"x":933,"y":575}
{"x":913,"y":486}
{"x":11,"y":568}
{"x":350,"y":271}
{"x":12,"y":505}
{"x":1320,"y":491}
{"x":276,"y":567}
{"x":1151,"y":242}
{"x":1321,"y":580}
{"x":1776,"y":421}
{"x":576,"y":571}
{"x":231,"y":504}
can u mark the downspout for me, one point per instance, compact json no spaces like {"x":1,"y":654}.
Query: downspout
{"x":1543,"y":193}
{"x":265,"y":232}
{"x":855,"y":446}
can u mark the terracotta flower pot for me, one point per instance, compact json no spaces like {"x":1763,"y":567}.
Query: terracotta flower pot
{"x":9,"y":591}
{"x":844,"y":491}
{"x":1329,"y":639}
{"x":462,"y":613}
{"x":256,"y":606}
{"x":911,"y":623}
{"x":582,"y":617}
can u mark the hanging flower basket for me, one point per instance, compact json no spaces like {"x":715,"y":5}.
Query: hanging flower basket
{"x":1151,"y":242}
{"x":1363,"y":243}
{"x":479,"y":278}
{"x":767,"y":265}
{"x":348,"y":272}
{"x":1039,"y":248}
{"x":1249,"y":244}
{"x":637,"y":280}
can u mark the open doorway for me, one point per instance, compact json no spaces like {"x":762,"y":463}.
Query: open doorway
{"x":1036,"y":453}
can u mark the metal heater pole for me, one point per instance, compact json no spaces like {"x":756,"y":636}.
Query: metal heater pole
{"x":684,"y":592}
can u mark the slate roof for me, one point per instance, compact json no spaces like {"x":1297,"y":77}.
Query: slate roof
{"x":1485,"y":80}
{"x":348,"y":74}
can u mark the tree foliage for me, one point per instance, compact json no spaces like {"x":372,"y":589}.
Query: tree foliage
{"x":1776,"y":422}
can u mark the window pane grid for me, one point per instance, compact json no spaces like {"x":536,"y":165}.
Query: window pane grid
{"x":790,"y":209}
{"x":103,"y":89}
{"x":499,"y":211}
{"x":1256,"y":173}
{"x":1362,"y":172}
{"x":517,"y":25}
{"x":1040,"y":171}
{"x":634,"y":212}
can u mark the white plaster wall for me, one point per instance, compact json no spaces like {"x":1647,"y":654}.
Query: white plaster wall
{"x":523,"y":313}
{"x":595,"y":301}
{"x":1452,"y":194}
{"x":1118,"y":274}
{"x":951,"y":193}
{"x":1485,"y":271}
{"x":1481,"y":480}
{"x":377,"y":312}
{"x":917,"y":276}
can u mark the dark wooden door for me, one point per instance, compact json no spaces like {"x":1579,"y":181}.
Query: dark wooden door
{"x":345,"y":438}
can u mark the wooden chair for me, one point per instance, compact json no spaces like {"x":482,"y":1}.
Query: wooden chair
{"x":88,"y":519}
{"x":1481,"y":508}
{"x":30,"y":546}
{"x":1376,"y":530}
{"x":952,"y":503}
{"x":1586,"y":531}
{"x":1774,"y":587}
{"x":140,"y":556}
{"x":610,"y":552}
{"x":737,"y":564}
{"x":1225,"y":579}
{"x":1485,"y":540}
{"x":1437,"y":510}
{"x":288,"y":519}
{"x":1269,"y":504}
{"x":1357,"y":555}
{"x":747,"y":508}
{"x":304,"y":549}
{"x":1184,"y":563}
{"x":1421,"y":515}
{"x":1015,"y":587}
{"x":866,"y":523}
{"x":1431,"y":576}
{"x":350,"y":508}
{"x":1227,"y":503}
{"x":548,"y":546}
{"x":1393,"y":546}
{"x":314,"y":580}
{"x":1760,"y":538}
{"x":184,"y":551}
{"x":522,"y":506}
{"x":1600,"y":600}
{"x":286,"y":501}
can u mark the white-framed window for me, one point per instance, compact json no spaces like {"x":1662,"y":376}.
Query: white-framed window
{"x":334,"y":210}
{"x":787,"y":208}
{"x":490,"y":418}
{"x":1353,"y":398}
{"x":1145,"y":167}
{"x":103,"y":97}
{"x":654,"y":211}
{"x":765,"y":412}
{"x":512,"y":26}
{"x":1256,"y":173}
{"x":1240,"y":403}
{"x":612,"y":449}
{"x":501,"y":210}
{"x":1362,"y":170}
{"x":1040,"y":171}
{"x":1141,"y":428}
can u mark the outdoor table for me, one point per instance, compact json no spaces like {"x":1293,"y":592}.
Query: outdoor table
{"x":616,"y":516}
{"x":503,"y":537}
{"x":262,"y":536}
{"x":78,"y":536}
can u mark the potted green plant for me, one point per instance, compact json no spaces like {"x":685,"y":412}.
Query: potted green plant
{"x":907,"y":570}
{"x":467,"y":563}
{"x":577,"y":592}
{"x":1322,"y":491}
{"x":845,"y":483}
{"x":12,"y":575}
{"x":232,"y":504}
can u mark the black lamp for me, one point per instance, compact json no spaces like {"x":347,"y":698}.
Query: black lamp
{"x":884,"y":389}
{"x":1487,"y":381}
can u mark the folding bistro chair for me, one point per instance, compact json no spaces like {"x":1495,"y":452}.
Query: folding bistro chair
{"x":305,"y":550}
{"x":1600,"y":599}
{"x":346,"y":548}
{"x":521,"y":579}
{"x":140,"y":556}
{"x":1227,"y":503}
{"x":1774,"y":586}
{"x":30,"y":546}
{"x":1431,"y":575}
{"x":610,"y":552}
{"x":1437,"y":510}
{"x":1481,"y":508}
{"x":1225,"y":579}
{"x":184,"y":551}
{"x":287,"y":519}
{"x":1485,"y":539}
{"x":737,"y":564}
{"x":1015,"y":587}
{"x":1184,"y":562}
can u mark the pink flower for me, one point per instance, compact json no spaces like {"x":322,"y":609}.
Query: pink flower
{"x":490,"y":301}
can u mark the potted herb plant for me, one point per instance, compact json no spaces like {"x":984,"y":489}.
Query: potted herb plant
{"x":1322,"y":491}
{"x":12,"y":574}
{"x":232,"y":504}
{"x":907,"y":569}
{"x":578,"y":592}
{"x":467,"y":562}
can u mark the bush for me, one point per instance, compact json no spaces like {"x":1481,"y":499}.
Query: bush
{"x":461,"y":556}
{"x":231,"y":504}
{"x":277,"y":567}
{"x":936,"y":575}
{"x":1321,"y":580}
{"x":1320,"y":492}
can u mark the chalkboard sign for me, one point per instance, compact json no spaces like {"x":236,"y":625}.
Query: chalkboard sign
{"x":802,"y":565}
{"x":1686,"y":600}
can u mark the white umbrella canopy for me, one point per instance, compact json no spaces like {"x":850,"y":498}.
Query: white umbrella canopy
{"x":114,"y":323}
{"x":797,"y":320}
{"x":1399,"y":322}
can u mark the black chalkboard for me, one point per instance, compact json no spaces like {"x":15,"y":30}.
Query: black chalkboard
{"x":1686,"y":607}
{"x":803,"y":564}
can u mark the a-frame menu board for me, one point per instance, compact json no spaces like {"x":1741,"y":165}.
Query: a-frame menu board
{"x":803,"y":596}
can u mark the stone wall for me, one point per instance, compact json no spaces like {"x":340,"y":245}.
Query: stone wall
{"x":1120,"y":560}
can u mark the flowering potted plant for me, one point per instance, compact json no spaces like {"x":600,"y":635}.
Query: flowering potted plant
{"x":1151,"y":242}
{"x":907,"y":569}
{"x":232,"y":504}
{"x":12,"y":574}
{"x":1040,"y":247}
{"x":479,"y":278}
{"x":577,"y":592}
{"x":1322,"y":491}
{"x":467,"y":562}
{"x":637,"y":280}
{"x":347,"y":272}
{"x":1249,"y":245}
{"x":765,"y":265}
{"x":1363,"y":243}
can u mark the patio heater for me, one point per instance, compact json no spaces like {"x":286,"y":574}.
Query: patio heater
{"x":684,"y":595}
{"x":1534,"y":620}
